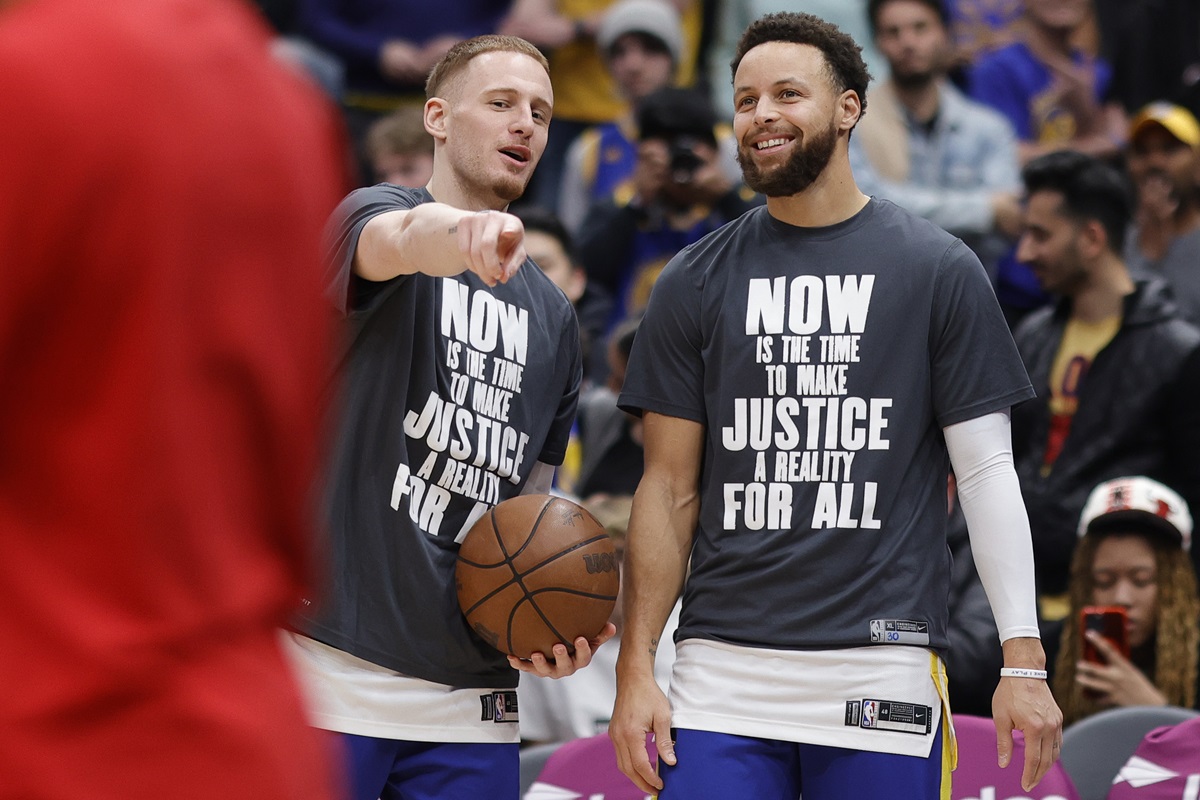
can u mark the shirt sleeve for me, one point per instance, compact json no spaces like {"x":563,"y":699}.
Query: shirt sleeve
{"x":666,"y":368}
{"x":974,"y":365}
{"x":348,"y":292}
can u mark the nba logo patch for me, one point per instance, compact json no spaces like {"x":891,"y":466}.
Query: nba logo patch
{"x":499,"y":707}
{"x":870,"y":713}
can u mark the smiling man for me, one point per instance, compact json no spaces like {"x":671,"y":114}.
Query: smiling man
{"x":812,"y":512}
{"x":444,"y":309}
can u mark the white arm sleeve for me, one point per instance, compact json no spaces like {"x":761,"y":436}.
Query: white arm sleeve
{"x":981,"y":454}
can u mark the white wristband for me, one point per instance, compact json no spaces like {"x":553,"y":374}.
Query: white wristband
{"x":1017,"y":672}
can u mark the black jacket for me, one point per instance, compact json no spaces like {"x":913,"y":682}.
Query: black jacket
{"x":1138,"y":414}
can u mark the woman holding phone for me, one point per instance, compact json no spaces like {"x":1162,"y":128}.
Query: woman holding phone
{"x":1132,"y":560}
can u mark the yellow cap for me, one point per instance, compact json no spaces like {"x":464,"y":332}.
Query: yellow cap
{"x":1177,"y":120}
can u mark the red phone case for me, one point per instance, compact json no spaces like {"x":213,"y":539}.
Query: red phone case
{"x":1111,"y":623}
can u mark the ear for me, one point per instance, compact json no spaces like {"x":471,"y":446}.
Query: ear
{"x":849,"y":110}
{"x":435,"y":117}
{"x":578,"y":283}
{"x":1093,"y":238}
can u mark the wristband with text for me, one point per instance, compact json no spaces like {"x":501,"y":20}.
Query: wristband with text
{"x":1018,"y":672}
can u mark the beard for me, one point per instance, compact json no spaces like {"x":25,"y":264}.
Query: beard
{"x":913,"y":80}
{"x":804,"y":166}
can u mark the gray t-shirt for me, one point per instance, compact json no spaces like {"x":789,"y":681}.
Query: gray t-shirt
{"x":824,"y":363}
{"x":1180,"y":265}
{"x":450,"y":392}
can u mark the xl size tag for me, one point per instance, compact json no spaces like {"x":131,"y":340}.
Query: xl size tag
{"x":889,"y":715}
{"x":899,"y":631}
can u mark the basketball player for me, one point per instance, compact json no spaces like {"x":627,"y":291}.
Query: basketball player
{"x":461,"y":382}
{"x":808,"y":374}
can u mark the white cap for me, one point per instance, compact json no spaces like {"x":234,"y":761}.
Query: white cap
{"x":656,"y":18}
{"x":1139,"y":502}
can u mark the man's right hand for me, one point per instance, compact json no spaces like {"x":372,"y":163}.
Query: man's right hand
{"x":641,"y":708}
{"x":400,"y":61}
{"x":492,"y":244}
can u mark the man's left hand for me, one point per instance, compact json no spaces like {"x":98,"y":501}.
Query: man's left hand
{"x":1025,"y":704}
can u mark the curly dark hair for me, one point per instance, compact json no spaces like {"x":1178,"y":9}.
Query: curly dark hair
{"x":843,"y":56}
{"x":1176,"y":627}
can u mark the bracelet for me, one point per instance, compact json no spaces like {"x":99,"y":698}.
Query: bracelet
{"x":1018,"y":672}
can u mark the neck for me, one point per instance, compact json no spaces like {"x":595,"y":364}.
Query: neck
{"x":1103,"y":295}
{"x":1188,"y":218}
{"x":832,"y":198}
{"x":446,"y":186}
{"x":919,"y":99}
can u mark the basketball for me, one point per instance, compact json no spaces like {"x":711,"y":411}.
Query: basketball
{"x":534,"y":571}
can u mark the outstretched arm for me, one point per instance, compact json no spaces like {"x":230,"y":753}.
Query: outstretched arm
{"x":437,"y":239}
{"x":981,"y":453}
{"x":665,"y":510}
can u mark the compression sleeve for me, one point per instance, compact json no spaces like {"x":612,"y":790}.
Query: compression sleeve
{"x":981,"y":454}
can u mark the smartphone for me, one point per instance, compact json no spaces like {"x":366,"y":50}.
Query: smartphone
{"x":1110,"y":622}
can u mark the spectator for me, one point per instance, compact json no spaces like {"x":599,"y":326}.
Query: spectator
{"x":1051,"y":91}
{"x":1154,"y":48}
{"x":681,"y":193}
{"x":580,"y":705}
{"x":981,"y":26}
{"x":610,"y":440}
{"x":400,"y":149}
{"x":641,"y":42}
{"x":584,"y":93}
{"x":1164,"y":163}
{"x":164,"y":347}
{"x":1117,"y":372}
{"x":387,"y":48}
{"x":928,"y":148}
{"x":550,"y":247}
{"x":1133,"y":553}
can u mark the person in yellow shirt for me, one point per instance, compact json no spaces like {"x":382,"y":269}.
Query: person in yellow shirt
{"x":1115,"y":366}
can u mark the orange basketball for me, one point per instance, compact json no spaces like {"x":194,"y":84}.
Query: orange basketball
{"x":534,"y":571}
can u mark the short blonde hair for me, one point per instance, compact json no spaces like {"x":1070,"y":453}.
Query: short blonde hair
{"x":458,"y":56}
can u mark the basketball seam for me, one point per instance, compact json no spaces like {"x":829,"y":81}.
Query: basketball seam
{"x":508,"y":559}
{"x":507,"y":562}
{"x":577,"y":592}
{"x":527,"y":594}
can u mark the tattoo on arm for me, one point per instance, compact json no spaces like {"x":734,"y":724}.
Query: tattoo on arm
{"x":453,"y":229}
{"x":653,"y":650}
